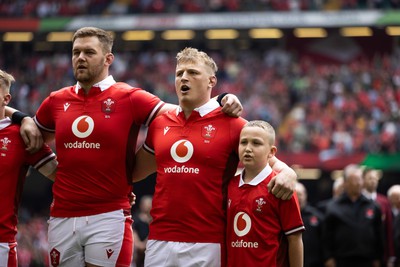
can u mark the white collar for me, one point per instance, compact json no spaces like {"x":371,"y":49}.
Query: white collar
{"x":208,"y":107}
{"x":259,"y":178}
{"x":370,"y":195}
{"x":103,"y":85}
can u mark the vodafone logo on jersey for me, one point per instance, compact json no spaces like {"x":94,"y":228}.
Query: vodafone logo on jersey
{"x":182,"y":151}
{"x":83,"y":126}
{"x":241,"y":224}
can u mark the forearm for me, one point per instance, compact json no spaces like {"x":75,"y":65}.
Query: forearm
{"x":283,"y":184}
{"x":295,"y":250}
{"x":29,"y":131}
{"x":49,"y":169}
{"x":145,"y":164}
{"x":52,"y":176}
{"x":17,"y":116}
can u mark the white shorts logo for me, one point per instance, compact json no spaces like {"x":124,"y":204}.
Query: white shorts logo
{"x":182,"y":151}
{"x":83,"y":126}
{"x":241,"y":224}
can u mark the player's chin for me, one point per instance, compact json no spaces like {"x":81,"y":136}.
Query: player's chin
{"x":184,"y":97}
{"x":80,"y":75}
{"x":247,"y":162}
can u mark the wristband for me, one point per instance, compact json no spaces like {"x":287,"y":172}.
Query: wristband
{"x":18,"y":116}
{"x":219,"y":98}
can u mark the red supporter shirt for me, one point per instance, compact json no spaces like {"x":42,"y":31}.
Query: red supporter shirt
{"x":96,"y":137}
{"x":14,"y":165}
{"x":258,"y":223}
{"x":194,"y":158}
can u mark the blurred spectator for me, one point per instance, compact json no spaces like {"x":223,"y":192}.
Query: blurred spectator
{"x":371,"y":179}
{"x":312,"y":238}
{"x":337,"y":191}
{"x":352,"y":229}
{"x":393,"y":195}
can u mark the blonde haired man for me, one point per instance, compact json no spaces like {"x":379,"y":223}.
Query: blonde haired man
{"x":194,"y":151}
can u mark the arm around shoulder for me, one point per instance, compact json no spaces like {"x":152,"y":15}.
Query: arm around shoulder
{"x":30,"y":133}
{"x":9,"y":111}
{"x":283,"y":184}
{"x":230,"y":104}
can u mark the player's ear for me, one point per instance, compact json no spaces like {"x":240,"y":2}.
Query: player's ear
{"x":212,"y":81}
{"x":6,"y":99}
{"x":109,"y":58}
{"x":272,"y":151}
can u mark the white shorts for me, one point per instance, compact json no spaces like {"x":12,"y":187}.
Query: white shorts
{"x":104,"y":239}
{"x":173,"y":254}
{"x":8,"y":254}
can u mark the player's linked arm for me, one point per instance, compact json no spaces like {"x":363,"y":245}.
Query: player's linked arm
{"x":49,"y":169}
{"x":283,"y":184}
{"x":145,"y":164}
{"x":230,"y":104}
{"x":30,"y":133}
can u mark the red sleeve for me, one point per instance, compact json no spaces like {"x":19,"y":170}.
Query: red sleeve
{"x":290,"y":215}
{"x":148,"y":143}
{"x":43,"y":117}
{"x":40,"y":158}
{"x":145,"y":105}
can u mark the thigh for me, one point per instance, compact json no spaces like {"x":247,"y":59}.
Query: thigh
{"x":108,"y":239}
{"x":64,"y":246}
{"x":8,"y":254}
{"x":160,"y":253}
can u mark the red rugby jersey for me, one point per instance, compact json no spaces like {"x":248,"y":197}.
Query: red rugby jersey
{"x":96,"y":138}
{"x":194,"y":158}
{"x":14,"y":165}
{"x":258,"y":223}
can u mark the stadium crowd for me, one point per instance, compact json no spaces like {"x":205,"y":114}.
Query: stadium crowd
{"x":316,"y":106}
{"x":55,"y":8}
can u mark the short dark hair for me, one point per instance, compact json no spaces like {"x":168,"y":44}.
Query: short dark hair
{"x":105,"y":38}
